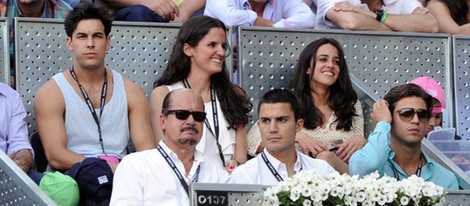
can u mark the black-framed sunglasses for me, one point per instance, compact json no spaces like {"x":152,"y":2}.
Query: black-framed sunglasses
{"x":184,"y":114}
{"x":407,"y":114}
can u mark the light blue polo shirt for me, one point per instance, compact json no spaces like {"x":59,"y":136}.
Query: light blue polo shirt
{"x":377,"y":155}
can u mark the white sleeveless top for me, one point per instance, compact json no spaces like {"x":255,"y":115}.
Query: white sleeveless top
{"x":81,"y":129}
{"x":208,"y":146}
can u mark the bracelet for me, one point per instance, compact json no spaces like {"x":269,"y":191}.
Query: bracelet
{"x":384,"y":17}
{"x":379,"y":14}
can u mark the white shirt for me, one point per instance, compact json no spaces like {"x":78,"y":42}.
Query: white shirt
{"x":286,"y":13}
{"x":255,"y":171}
{"x":145,"y":178}
{"x":390,"y":7}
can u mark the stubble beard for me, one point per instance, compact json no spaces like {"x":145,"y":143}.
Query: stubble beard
{"x":190,"y":141}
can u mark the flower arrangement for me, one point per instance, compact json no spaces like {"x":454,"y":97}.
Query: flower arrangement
{"x":312,"y":188}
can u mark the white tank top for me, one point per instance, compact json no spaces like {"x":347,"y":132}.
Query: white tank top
{"x":81,"y":129}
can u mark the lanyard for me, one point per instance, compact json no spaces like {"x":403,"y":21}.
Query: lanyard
{"x":272,"y":169}
{"x":418,"y":170}
{"x":176,"y":171}
{"x":90,"y":105}
{"x":215,"y":117}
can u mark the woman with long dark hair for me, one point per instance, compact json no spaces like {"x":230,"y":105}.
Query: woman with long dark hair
{"x":452,"y":15}
{"x":333,"y":122}
{"x":198,"y":62}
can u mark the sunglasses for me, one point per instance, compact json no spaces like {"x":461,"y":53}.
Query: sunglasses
{"x":407,"y":114}
{"x":184,"y":114}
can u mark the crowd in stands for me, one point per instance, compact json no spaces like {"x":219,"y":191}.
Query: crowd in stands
{"x":194,"y":127}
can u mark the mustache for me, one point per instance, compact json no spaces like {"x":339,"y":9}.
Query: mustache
{"x":190,"y":141}
{"x":189,"y":128}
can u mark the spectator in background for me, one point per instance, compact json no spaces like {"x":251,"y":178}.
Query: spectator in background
{"x":279,"y":121}
{"x":177,"y":11}
{"x":13,"y":130}
{"x":430,"y":86}
{"x":452,"y":15}
{"x":394,"y":148}
{"x":385,"y":15}
{"x":162,"y":176}
{"x":88,"y":114}
{"x":33,"y":8}
{"x":333,"y":126}
{"x":268,"y":13}
{"x":271,"y":13}
{"x":198,"y":62}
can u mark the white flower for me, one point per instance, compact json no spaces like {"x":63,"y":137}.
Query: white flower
{"x":316,"y":189}
{"x":307,"y":203}
{"x":404,"y":200}
{"x":306,"y":190}
{"x":294,"y":194}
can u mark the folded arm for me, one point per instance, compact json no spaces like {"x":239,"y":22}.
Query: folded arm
{"x":419,"y":21}
{"x":444,"y":19}
{"x":230,"y":13}
{"x":350,"y":17}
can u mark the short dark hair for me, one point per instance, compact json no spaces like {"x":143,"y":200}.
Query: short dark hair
{"x":282,"y":96}
{"x":399,"y":92}
{"x":86,"y":10}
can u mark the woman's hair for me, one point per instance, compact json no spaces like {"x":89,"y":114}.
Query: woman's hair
{"x":342,"y":95}
{"x":233,"y":100}
{"x":458,"y":10}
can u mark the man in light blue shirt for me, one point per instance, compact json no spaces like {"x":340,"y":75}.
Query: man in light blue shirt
{"x":13,"y":130}
{"x":394,"y":148}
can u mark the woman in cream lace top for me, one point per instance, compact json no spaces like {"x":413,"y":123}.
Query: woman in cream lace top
{"x":334,"y":124}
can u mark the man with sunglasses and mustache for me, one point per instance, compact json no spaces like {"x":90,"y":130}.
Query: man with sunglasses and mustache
{"x":394,"y":148}
{"x":162,"y":176}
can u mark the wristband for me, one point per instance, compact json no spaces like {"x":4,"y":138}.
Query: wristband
{"x":384,"y":17}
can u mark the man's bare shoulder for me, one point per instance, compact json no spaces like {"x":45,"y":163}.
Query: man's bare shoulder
{"x":132,"y":89}
{"x":49,"y":94}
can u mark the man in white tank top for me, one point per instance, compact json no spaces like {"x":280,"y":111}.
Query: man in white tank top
{"x":89,"y":111}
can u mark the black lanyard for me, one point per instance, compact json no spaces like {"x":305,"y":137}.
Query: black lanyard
{"x":418,"y":170}
{"x":215,"y":117}
{"x":90,"y":105}
{"x":176,"y":171}
{"x":272,"y":169}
